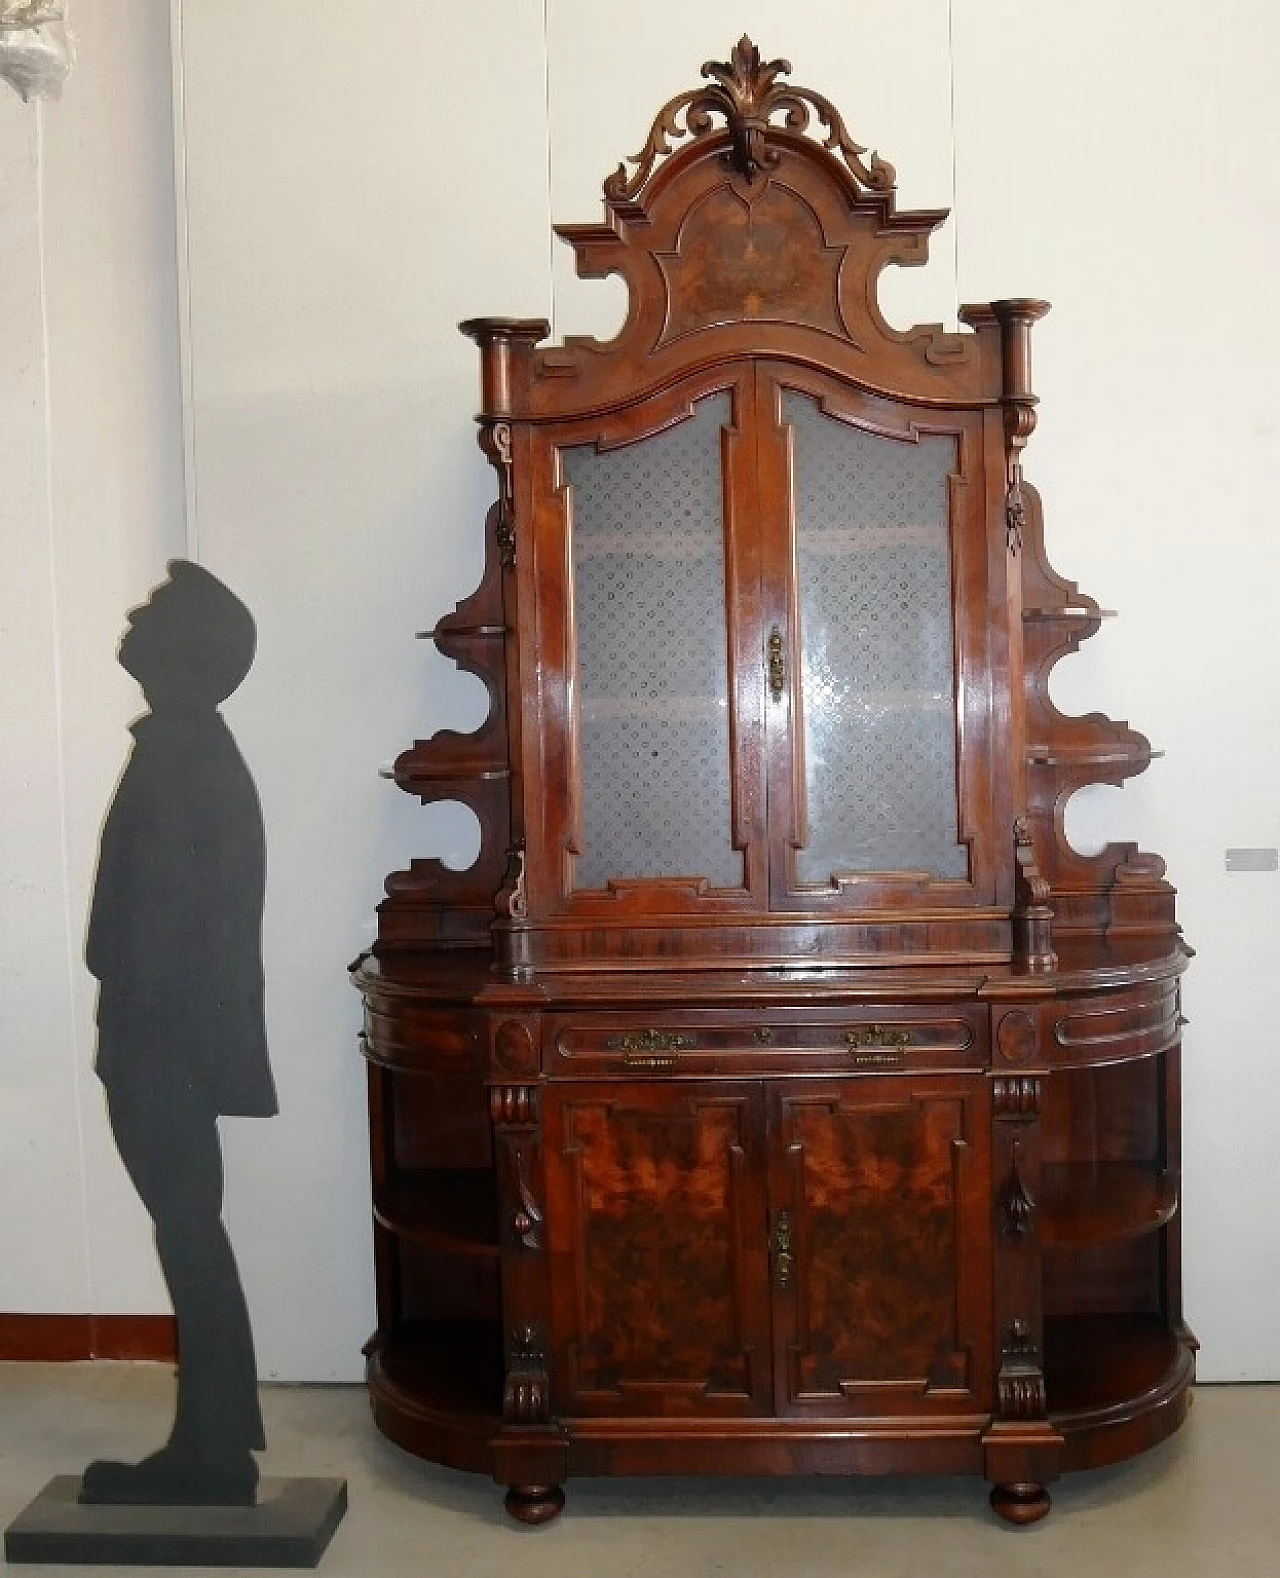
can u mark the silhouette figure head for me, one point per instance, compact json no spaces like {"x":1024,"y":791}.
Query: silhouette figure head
{"x":191,"y":643}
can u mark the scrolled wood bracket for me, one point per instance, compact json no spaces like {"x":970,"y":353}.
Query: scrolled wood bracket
{"x":495,"y":441}
{"x":1016,"y":1096}
{"x":514,"y":1106}
{"x":1020,"y":1383}
{"x":526,"y":1394}
{"x":511,"y":901}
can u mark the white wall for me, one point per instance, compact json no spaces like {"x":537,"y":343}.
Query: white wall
{"x":352,"y":190}
{"x":90,"y":508}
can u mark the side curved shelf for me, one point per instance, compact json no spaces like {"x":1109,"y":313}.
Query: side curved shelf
{"x":1115,"y":1384}
{"x":1091,"y":1203}
{"x":454,"y":1210}
{"x":435,"y":1388}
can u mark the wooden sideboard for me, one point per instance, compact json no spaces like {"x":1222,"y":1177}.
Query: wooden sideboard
{"x":779,"y":1091}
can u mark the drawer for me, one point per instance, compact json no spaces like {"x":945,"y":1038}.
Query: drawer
{"x":418,"y":1039}
{"x":871,"y":1040}
{"x":1114,"y":1027}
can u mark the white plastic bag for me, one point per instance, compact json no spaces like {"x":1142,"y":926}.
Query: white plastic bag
{"x":35,"y":49}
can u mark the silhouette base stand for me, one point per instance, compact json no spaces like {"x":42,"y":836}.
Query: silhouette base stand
{"x":290,"y":1525}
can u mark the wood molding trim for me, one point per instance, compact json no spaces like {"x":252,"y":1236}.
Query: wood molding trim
{"x":66,"y":1338}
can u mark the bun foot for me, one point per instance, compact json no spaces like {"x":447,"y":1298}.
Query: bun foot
{"x":534,"y":1503}
{"x":1021,"y":1502}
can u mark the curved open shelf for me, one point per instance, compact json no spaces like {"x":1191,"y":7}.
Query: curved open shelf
{"x":1116,"y":1384}
{"x":1089,"y":1203}
{"x":1104,"y":755}
{"x":451,"y":1209}
{"x":435,"y":1387}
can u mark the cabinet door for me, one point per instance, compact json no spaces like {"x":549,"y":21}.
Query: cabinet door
{"x":876,"y":628}
{"x":880,"y":1232}
{"x":647,"y":528}
{"x":656,"y":1227}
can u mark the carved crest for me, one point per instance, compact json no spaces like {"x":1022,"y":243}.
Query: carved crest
{"x":746,"y":92}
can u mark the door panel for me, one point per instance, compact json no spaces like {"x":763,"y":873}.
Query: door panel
{"x":657,"y":1236}
{"x":881,"y":1245}
{"x":652,"y":666}
{"x":877,"y":675}
{"x":875,"y":605}
{"x":646,"y":571}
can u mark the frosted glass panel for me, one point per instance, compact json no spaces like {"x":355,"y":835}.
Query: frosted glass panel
{"x":877,"y":675}
{"x":652,"y":665}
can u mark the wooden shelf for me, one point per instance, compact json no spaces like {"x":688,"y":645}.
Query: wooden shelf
{"x":1094,"y":1364}
{"x":1089,"y":1203}
{"x":1067,"y":614}
{"x":1090,"y":756}
{"x":436,"y":1389}
{"x":452,"y":1209}
{"x":446,"y":632}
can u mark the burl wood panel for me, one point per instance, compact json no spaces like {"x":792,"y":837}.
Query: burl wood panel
{"x":657,"y":1238}
{"x":763,"y":259}
{"x":888,"y":1298}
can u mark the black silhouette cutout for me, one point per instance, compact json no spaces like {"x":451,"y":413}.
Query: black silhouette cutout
{"x":175,"y":939}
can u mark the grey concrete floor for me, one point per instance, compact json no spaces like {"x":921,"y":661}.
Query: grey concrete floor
{"x":1205,"y":1503}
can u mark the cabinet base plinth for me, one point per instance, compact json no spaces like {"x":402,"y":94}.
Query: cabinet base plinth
{"x":1021,"y":1502}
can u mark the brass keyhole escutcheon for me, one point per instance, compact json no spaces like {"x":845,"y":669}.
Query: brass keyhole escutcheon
{"x":777,"y":664}
{"x":783,"y":1260}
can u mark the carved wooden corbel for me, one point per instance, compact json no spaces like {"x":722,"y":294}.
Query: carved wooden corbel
{"x":1032,"y":916}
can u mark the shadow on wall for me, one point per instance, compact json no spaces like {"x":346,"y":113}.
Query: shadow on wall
{"x":175,"y":940}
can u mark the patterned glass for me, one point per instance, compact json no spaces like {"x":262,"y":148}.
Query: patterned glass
{"x":878,"y":680}
{"x":652,"y":663}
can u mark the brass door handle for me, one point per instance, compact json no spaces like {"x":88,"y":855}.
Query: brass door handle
{"x":777,"y":664}
{"x":783,"y":1260}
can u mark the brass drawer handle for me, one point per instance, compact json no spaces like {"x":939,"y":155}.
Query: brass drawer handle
{"x":893,"y":1042}
{"x":651,"y":1041}
{"x":876,"y":1036}
{"x":781,"y":1247}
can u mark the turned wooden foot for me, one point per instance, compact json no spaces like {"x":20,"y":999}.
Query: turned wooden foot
{"x":534,"y":1503}
{"x":1020,"y":1502}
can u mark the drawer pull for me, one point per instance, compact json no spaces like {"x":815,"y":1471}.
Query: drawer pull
{"x":651,"y":1041}
{"x":650,"y":1059}
{"x":879,"y":1059}
{"x":876,"y":1036}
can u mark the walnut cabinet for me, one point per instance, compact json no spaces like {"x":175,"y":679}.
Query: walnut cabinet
{"x":778,"y":1092}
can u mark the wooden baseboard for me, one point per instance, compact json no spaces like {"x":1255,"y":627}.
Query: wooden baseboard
{"x":63,"y":1338}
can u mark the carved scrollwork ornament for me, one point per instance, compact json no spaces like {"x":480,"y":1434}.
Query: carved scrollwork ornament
{"x":745,"y":90}
{"x":495,"y":440}
{"x":526,"y":1219}
{"x":511,"y":902}
{"x":1015,"y":512}
{"x":1016,"y":1204}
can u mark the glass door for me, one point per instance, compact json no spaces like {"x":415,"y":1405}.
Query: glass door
{"x":663,"y":787}
{"x":861,"y":657}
